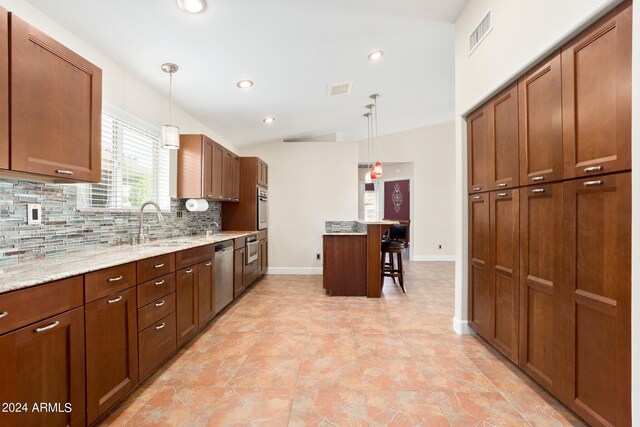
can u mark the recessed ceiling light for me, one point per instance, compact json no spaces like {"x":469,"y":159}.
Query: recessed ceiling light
{"x":244,"y":84}
{"x":375,"y":55}
{"x":269,"y":120}
{"x":192,"y":6}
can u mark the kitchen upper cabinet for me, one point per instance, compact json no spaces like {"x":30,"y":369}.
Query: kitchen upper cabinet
{"x":227,"y":175}
{"x":541,"y":296}
{"x":540,"y":124}
{"x":56,"y":107}
{"x":218,"y":184}
{"x":206,"y":293}
{"x":235,"y":194}
{"x":263,"y":174}
{"x":44,"y":362}
{"x":478,"y":142}
{"x":596,"y":93}
{"x":597,"y":228}
{"x":504,"y":278}
{"x":4,"y":89}
{"x":111,"y":351}
{"x":187,"y":312}
{"x":479,"y":251}
{"x":503,"y":157}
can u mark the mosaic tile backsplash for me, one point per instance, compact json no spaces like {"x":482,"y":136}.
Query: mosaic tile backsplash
{"x":65,"y":229}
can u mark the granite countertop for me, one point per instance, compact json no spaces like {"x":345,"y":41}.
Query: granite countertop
{"x":31,"y":273}
{"x":378,"y":222}
{"x":344,"y":233}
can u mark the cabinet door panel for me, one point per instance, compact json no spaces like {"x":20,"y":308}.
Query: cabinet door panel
{"x":227,"y":176}
{"x":540,"y":131}
{"x":45,"y":366}
{"x":4,"y":89}
{"x":596,"y":76}
{"x":217,"y":171}
{"x":186,"y":304}
{"x":478,"y":147}
{"x":503,"y":121}
{"x":112,"y":351}
{"x":206,"y":293}
{"x":236,"y":178}
{"x":207,"y":169}
{"x":541,"y":284}
{"x":68,"y":118}
{"x":238,"y":272}
{"x":504,"y":272}
{"x":479,"y":262}
{"x":598,"y":298}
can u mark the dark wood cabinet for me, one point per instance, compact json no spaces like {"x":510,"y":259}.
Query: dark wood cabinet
{"x":235,"y":194}
{"x":263,"y":256}
{"x":186,"y":304}
{"x":263,"y":174}
{"x":478,"y":141}
{"x":243,"y":216}
{"x":238,"y":272}
{"x":68,"y":117}
{"x":111,"y":350}
{"x":596,"y":93}
{"x":502,"y":162}
{"x":217,"y":183}
{"x":157,"y":342}
{"x":540,"y":124}
{"x":479,"y":262}
{"x":44,"y":362}
{"x":597,"y":283}
{"x":4,"y":89}
{"x":206,"y":293}
{"x":541,"y":270}
{"x":503,"y":271}
{"x":207,"y":168}
{"x":227,"y":175}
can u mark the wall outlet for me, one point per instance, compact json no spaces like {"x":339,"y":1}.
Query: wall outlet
{"x":439,"y":246}
{"x":317,"y":257}
{"x":178,"y":214}
{"x":34,"y":213}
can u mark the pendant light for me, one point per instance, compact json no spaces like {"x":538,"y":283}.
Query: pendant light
{"x":377,"y":167}
{"x":367,"y":174}
{"x":170,"y":133}
{"x":371,"y":107}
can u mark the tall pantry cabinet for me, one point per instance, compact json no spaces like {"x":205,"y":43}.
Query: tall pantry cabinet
{"x":550,"y":221}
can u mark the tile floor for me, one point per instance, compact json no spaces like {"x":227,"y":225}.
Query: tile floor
{"x":286,"y":354}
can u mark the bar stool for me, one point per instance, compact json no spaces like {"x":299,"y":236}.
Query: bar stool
{"x":392,"y":247}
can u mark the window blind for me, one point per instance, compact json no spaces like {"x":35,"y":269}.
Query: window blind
{"x":135,"y":168}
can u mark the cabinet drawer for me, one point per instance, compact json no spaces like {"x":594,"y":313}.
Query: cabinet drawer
{"x":251,"y":267}
{"x":105,"y":282}
{"x":156,"y":288}
{"x":17,"y":308}
{"x":155,"y":311}
{"x":151,"y":268}
{"x":193,"y":256}
{"x":262,"y":234}
{"x":156,"y":343}
{"x":238,"y":243}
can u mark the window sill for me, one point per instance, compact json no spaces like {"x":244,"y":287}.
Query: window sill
{"x":114,"y":210}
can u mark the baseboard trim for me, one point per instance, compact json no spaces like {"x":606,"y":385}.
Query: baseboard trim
{"x":433,"y":258}
{"x":461,"y":327}
{"x":305,"y":271}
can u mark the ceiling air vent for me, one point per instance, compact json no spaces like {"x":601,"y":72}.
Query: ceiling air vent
{"x":481,"y":31}
{"x":340,"y":89}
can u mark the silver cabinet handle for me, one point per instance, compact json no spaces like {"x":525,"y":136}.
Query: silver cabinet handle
{"x":590,"y":183}
{"x":3,"y":314}
{"x":64,"y":172}
{"x":477,"y":197}
{"x":115,"y":279}
{"x":537,"y":190}
{"x":159,"y":265}
{"x":111,"y":301}
{"x":208,"y":264}
{"x":189,"y":271}
{"x":159,"y":304}
{"x":502,"y":194}
{"x":159,"y":283}
{"x":537,"y":178}
{"x":161,"y":326}
{"x":502,"y":185}
{"x":46,"y":328}
{"x":477,"y":188}
{"x":593,"y":169}
{"x":209,"y":195}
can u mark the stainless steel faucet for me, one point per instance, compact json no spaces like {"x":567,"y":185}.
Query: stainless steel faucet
{"x":217,"y":225}
{"x":141,"y":238}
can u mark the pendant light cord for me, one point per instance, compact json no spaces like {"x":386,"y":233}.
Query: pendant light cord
{"x":171,"y":98}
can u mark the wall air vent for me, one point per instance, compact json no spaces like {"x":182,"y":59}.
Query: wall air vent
{"x":340,"y":89}
{"x":481,"y":31}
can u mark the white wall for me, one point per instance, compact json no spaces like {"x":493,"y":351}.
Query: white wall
{"x":431,"y":149}
{"x":119,"y":87}
{"x":309,"y":183}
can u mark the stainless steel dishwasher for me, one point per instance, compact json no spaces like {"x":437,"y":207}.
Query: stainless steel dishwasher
{"x":224,"y":274}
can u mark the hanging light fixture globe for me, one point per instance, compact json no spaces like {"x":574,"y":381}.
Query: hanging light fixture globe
{"x":170,"y":135}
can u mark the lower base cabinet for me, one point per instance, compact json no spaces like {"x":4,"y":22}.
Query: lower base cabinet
{"x":156,"y":343}
{"x":186,"y":304}
{"x":206,"y":293}
{"x":44,"y":363}
{"x":111,"y":350}
{"x":238,"y":272}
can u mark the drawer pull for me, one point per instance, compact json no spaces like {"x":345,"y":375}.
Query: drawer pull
{"x":64,"y":172}
{"x":208,"y":264}
{"x":477,"y":188}
{"x":3,"y":314}
{"x":209,"y":195}
{"x":502,"y":194}
{"x":111,"y":301}
{"x":593,"y":169}
{"x":537,"y":190}
{"x":502,"y":185}
{"x":161,"y":326}
{"x":537,"y":178}
{"x":115,"y":279}
{"x":46,"y":328}
{"x":189,"y":271}
{"x":477,"y":197}
{"x":161,"y":282}
{"x":590,"y":183}
{"x":159,"y":304}
{"x":159,"y":265}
